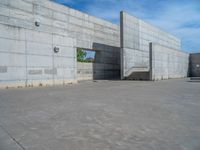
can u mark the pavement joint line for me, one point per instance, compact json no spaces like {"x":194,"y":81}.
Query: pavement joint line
{"x":14,"y":139}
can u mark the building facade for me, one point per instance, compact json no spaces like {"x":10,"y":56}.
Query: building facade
{"x":39,"y":41}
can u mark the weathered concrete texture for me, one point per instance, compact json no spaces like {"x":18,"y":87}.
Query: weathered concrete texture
{"x":26,"y":50}
{"x":106,"y":65}
{"x":27,"y":56}
{"x":94,"y":71}
{"x":195,"y":65}
{"x":135,"y":38}
{"x":103,"y":115}
{"x":167,"y":63}
{"x":31,"y":29}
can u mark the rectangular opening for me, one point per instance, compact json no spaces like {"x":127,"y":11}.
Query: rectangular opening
{"x":97,"y":64}
{"x":85,"y":55}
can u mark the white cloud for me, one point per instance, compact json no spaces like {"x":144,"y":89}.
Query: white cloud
{"x":174,"y":19}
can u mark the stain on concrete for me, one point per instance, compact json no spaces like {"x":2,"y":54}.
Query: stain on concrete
{"x":50,"y":71}
{"x":35,"y":72}
{"x":3,"y":69}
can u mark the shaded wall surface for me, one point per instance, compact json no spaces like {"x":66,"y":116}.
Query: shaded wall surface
{"x":105,"y":66}
{"x":167,"y":63}
{"x":195,"y":65}
{"x":96,"y":71}
{"x":135,"y":38}
{"x":27,"y":54}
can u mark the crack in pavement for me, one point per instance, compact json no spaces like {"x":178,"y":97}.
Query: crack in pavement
{"x":10,"y":136}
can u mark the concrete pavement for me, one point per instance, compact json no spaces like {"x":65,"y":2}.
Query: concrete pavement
{"x":102,"y":115}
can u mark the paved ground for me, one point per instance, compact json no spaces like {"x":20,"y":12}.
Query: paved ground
{"x":104,"y":115}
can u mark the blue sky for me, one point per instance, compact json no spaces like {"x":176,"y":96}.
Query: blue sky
{"x":179,"y":17}
{"x":90,"y":54}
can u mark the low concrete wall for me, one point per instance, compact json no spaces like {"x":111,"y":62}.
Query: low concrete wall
{"x":167,"y":63}
{"x":195,"y":65}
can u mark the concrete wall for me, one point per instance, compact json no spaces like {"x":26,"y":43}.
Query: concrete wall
{"x":135,"y":38}
{"x":94,"y":71}
{"x":195,"y":65}
{"x":28,"y":57}
{"x":27,"y":54}
{"x":26,"y":51}
{"x":167,"y":63}
{"x":106,"y":65}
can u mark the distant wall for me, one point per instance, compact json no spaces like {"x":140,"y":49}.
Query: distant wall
{"x":167,"y":63}
{"x":94,"y":71}
{"x":106,"y":65}
{"x":135,"y":38}
{"x":27,"y":51}
{"x":195,"y":65}
{"x":109,"y":58}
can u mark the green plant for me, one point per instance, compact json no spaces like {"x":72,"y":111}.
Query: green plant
{"x":81,"y":55}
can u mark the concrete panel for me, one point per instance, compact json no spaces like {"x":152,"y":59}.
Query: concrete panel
{"x":41,"y":10}
{"x":39,"y":48}
{"x":40,"y":37}
{"x":60,"y":16}
{"x":13,"y":74}
{"x":39,"y":61}
{"x":37,"y":73}
{"x":12,"y":59}
{"x":3,"y":69}
{"x":65,"y":51}
{"x":4,"y":2}
{"x":90,"y":71}
{"x":65,"y":62}
{"x":20,"y":14}
{"x":23,"y":5}
{"x":50,"y":71}
{"x":4,"y":10}
{"x":44,"y":20}
{"x":8,"y":45}
{"x":167,"y":63}
{"x":12,"y":32}
{"x":63,"y":40}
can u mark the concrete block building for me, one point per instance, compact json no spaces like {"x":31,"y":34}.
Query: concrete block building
{"x":39,"y":41}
